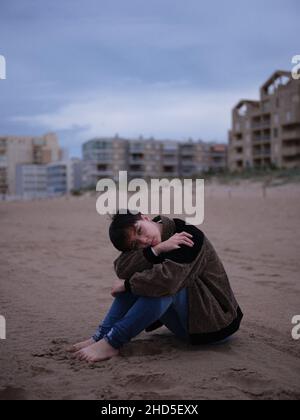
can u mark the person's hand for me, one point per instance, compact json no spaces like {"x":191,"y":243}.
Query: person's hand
{"x":118,"y":287}
{"x":174,"y":242}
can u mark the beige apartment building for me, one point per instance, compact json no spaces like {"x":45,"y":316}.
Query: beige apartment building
{"x":266,"y":133}
{"x":149,"y":158}
{"x":103,"y":158}
{"x":200,"y":157}
{"x":144,"y":158}
{"x":16,"y":150}
{"x":217,"y":157}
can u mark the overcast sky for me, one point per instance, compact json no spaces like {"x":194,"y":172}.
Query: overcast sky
{"x":162,"y":68}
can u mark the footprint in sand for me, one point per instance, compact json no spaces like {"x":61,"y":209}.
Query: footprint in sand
{"x":250,"y":382}
{"x":164,"y":345}
{"x":40,"y":370}
{"x":148,"y":382}
{"x":256,"y":386}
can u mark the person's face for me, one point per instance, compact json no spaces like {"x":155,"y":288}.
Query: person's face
{"x":145,"y":233}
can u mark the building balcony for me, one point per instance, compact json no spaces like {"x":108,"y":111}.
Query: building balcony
{"x":170,"y":161}
{"x":99,"y":160}
{"x":104,"y":173}
{"x":291,"y":151}
{"x":262,"y":153}
{"x":137,"y":149}
{"x":255,"y":125}
{"x":261,"y":125}
{"x":187,"y":168}
{"x":140,"y":173}
{"x":218,"y":155}
{"x":291,"y":134}
{"x":167,"y":174}
{"x":187,"y":152}
{"x":262,"y":139}
{"x":136,"y":161}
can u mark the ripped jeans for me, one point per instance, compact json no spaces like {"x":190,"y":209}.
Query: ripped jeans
{"x":129,"y":315}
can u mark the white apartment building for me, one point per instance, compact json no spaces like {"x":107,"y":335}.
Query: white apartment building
{"x":31,"y":181}
{"x":64,"y":177}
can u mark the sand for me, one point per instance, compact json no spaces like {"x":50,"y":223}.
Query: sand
{"x":55,"y":280}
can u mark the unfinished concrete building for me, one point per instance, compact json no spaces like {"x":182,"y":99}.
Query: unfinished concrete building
{"x":266,"y":133}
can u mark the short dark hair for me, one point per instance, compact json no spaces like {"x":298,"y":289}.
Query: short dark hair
{"x":120,"y":226}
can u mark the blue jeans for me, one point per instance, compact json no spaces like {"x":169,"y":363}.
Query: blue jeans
{"x":129,"y":315}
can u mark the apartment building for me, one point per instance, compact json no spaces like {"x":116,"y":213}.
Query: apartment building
{"x":3,"y":167}
{"x":217,"y":157}
{"x":59,"y":178}
{"x":169,"y":155}
{"x":77,"y":174}
{"x":31,"y":181}
{"x":64,"y":177}
{"x":103,"y":157}
{"x":149,"y":158}
{"x":144,"y":158}
{"x":199,"y":157}
{"x":16,"y":150}
{"x":187,"y":158}
{"x":38,"y":181}
{"x":267,"y":132}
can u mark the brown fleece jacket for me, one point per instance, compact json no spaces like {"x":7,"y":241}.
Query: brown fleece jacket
{"x":214,"y":313}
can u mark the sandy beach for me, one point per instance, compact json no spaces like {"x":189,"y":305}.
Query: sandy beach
{"x":55,"y":280}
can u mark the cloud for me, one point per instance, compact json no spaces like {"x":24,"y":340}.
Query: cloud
{"x":162,"y":110}
{"x":104,"y":67}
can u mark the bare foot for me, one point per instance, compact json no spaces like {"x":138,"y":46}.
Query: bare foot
{"x":97,"y":352}
{"x":80,"y":346}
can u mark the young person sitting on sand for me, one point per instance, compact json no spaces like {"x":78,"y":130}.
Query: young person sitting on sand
{"x":170,"y":275}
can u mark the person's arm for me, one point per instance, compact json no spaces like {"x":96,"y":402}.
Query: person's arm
{"x":137,"y":261}
{"x":131,"y":262}
{"x":169,"y":276}
{"x":164,"y":279}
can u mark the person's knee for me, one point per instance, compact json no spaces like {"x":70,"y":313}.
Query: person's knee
{"x":164,"y":301}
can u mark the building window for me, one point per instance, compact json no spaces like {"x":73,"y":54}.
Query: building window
{"x":288,"y":116}
{"x":275,"y":133}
